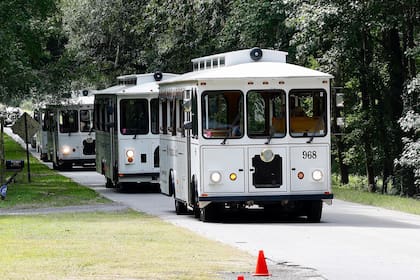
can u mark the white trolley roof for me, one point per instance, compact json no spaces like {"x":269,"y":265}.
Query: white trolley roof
{"x":136,"y":83}
{"x":240,"y":64}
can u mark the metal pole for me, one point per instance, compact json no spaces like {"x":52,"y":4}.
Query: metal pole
{"x":27,"y":148}
{"x":1,"y":150}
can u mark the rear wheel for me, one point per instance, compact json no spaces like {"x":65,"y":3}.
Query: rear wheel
{"x":194,"y":202}
{"x":314,"y":211}
{"x":180,"y":207}
{"x":109,"y":183}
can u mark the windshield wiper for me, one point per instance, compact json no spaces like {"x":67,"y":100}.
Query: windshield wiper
{"x":311,"y":138}
{"x":272,"y":131}
{"x":226,"y":137}
{"x":235,"y":121}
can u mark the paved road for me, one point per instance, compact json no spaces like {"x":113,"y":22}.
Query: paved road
{"x":352,"y":242}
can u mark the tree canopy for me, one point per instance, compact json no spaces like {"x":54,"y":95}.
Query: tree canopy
{"x":50,"y":47}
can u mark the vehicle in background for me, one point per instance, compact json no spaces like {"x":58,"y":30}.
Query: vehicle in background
{"x":41,"y":136}
{"x":127,"y":130}
{"x":70,"y":134}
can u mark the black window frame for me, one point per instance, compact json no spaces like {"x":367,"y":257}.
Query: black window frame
{"x":122,"y":124}
{"x":241,"y":110}
{"x":62,"y":128}
{"x":282,"y":92}
{"x":323,"y":115}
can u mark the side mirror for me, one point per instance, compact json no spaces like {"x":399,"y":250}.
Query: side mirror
{"x":339,"y":100}
{"x":341,"y":122}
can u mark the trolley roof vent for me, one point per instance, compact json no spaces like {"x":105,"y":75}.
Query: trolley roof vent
{"x":238,"y":57}
{"x":127,"y":80}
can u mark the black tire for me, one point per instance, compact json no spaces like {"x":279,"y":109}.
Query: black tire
{"x":171,"y":184}
{"x":206,"y":214}
{"x":120,"y":187}
{"x":196,"y":207}
{"x":180,"y":207}
{"x":109,"y":184}
{"x":211,"y":212}
{"x":314,"y":211}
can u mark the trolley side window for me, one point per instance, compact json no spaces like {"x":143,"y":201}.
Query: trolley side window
{"x":222,"y":114}
{"x":164,"y":117}
{"x":154,"y":115}
{"x":181,"y":118}
{"x":307,"y":112}
{"x":172,"y":117}
{"x":134,"y":116}
{"x":68,"y":121}
{"x":266,"y":113}
{"x":46,"y":119}
{"x":86,"y":120}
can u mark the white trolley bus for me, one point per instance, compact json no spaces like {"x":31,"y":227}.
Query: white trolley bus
{"x":42,"y":133}
{"x":246,"y":128}
{"x":127,"y":130}
{"x":70,"y":137}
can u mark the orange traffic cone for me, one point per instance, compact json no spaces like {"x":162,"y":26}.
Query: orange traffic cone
{"x":241,"y":277}
{"x":261,"y":269}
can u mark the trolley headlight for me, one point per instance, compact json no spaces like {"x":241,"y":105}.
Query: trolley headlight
{"x":317,"y":175}
{"x":233,"y":176}
{"x":66,"y":150}
{"x":130,"y":155}
{"x":267,"y":155}
{"x":215,"y":177}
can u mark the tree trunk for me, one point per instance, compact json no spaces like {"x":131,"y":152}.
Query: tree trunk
{"x":344,"y":169}
{"x":366,"y":59}
{"x":392,"y":99}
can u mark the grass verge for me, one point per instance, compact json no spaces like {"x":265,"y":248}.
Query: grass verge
{"x":121,"y":245}
{"x":355,"y":192}
{"x":46,"y":189}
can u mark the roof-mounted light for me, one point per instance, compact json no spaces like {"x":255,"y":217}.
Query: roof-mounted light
{"x":256,"y":54}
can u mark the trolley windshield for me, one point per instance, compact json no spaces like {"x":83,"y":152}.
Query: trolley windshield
{"x":86,"y":120}
{"x":307,"y":110}
{"x":222,"y":114}
{"x":134,"y":116}
{"x":68,"y":121}
{"x":266,"y":113}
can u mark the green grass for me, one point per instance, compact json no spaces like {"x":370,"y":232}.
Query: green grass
{"x":356,"y":191}
{"x":46,"y":189}
{"x":122,"y":245}
{"x":98,"y":245}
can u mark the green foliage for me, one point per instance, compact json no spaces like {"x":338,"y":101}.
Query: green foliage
{"x":357,"y":191}
{"x":32,"y":44}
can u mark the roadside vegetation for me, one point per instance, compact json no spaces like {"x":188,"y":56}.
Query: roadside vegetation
{"x":46,"y":189}
{"x":357,"y":191}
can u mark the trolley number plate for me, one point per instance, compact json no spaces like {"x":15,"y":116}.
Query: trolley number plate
{"x":309,"y":154}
